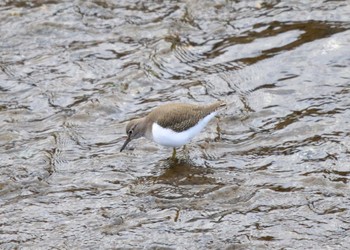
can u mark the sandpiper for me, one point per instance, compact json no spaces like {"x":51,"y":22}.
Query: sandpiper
{"x":173,"y":124}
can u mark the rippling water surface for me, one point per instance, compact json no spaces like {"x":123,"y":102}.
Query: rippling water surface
{"x":271,"y":173}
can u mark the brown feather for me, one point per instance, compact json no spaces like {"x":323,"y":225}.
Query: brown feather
{"x":181,"y":116}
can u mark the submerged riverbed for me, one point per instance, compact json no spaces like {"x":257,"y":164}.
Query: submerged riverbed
{"x":272,"y":172}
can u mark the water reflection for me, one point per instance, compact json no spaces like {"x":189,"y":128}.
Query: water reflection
{"x":183,"y":172}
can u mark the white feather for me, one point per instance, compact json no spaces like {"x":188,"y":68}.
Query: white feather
{"x":170,"y":138}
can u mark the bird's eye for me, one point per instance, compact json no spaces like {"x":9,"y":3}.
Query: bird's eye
{"x":130,"y":132}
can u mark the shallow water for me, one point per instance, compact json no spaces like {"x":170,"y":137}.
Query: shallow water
{"x":271,"y":173}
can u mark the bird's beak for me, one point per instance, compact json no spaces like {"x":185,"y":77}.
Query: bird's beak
{"x":125,"y":143}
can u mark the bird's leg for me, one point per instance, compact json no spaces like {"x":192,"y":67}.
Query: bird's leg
{"x":218,"y":130}
{"x":185,"y":150}
{"x":173,"y":157}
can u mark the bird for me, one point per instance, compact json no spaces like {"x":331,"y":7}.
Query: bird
{"x":173,"y":124}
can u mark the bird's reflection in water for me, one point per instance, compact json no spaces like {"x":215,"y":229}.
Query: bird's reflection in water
{"x":183,"y":171}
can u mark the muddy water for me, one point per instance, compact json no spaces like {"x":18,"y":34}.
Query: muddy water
{"x":271,"y":173}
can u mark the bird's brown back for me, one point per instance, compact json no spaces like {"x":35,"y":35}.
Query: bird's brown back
{"x":181,"y":116}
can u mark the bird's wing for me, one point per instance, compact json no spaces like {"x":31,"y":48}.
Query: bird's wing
{"x":180,"y":117}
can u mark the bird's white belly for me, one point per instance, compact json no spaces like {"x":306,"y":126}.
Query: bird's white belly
{"x":170,"y":138}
